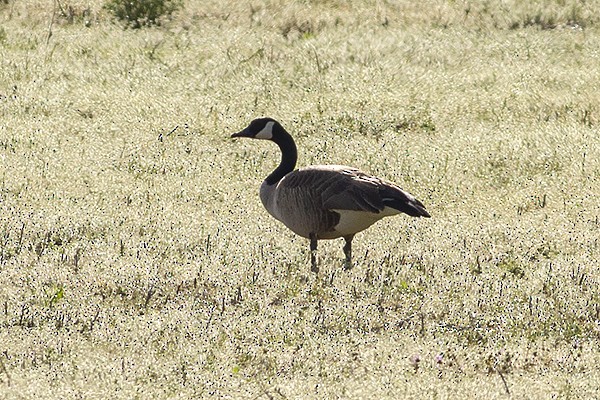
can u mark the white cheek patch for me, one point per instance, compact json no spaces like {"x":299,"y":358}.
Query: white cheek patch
{"x":266,"y":132}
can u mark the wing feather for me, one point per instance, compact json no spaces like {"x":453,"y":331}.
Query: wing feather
{"x":337,"y":187}
{"x":332,"y":188}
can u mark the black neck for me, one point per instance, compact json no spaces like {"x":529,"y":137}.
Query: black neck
{"x":289,"y":155}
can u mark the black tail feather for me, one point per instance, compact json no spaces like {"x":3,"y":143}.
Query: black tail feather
{"x":402,"y":201}
{"x":414,"y":208}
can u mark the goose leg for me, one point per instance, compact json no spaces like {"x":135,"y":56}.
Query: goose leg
{"x":313,"y":253}
{"x":348,"y":252}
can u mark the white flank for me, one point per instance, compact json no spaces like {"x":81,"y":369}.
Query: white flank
{"x":355,"y":221}
{"x":266,"y":132}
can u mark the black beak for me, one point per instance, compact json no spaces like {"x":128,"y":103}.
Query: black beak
{"x":243,"y":133}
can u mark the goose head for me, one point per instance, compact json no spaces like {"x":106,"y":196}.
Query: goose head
{"x":261,"y":128}
{"x":269,"y":129}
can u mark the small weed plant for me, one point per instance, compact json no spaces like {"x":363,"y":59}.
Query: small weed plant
{"x":139,"y":13}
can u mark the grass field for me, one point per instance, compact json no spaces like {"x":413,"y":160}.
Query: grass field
{"x":136,"y":260}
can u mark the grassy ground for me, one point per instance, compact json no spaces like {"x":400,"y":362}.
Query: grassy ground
{"x":137,"y":261}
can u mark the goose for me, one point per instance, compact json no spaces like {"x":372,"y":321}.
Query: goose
{"x":325,"y":201}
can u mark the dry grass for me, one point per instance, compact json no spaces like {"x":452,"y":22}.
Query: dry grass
{"x":137,"y":261}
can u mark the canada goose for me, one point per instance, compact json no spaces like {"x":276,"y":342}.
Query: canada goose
{"x":325,"y":201}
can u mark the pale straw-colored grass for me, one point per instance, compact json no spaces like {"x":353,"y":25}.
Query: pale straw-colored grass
{"x":138,"y":262}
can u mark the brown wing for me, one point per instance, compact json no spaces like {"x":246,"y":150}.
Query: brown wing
{"x":335,"y":187}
